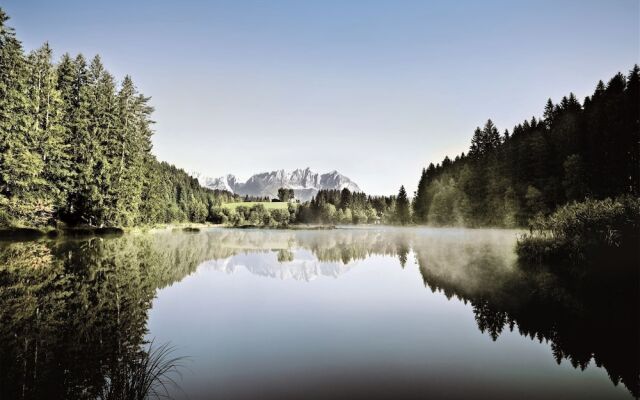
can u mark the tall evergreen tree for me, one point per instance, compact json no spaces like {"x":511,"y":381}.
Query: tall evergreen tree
{"x":133,"y":137}
{"x":420,"y":207}
{"x":20,"y":165}
{"x":345,"y":199}
{"x":47,"y":113}
{"x":403,"y":212}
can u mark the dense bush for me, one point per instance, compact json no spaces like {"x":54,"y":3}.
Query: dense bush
{"x":588,"y":232}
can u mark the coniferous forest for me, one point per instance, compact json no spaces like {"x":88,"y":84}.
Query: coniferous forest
{"x":575,"y":151}
{"x":75,"y":147}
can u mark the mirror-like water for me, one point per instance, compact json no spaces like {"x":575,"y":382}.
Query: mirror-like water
{"x":346,"y":313}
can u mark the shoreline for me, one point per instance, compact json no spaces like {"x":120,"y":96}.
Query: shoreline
{"x":27,"y":233}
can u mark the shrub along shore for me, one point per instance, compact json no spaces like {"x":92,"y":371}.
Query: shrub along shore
{"x":602,"y":233}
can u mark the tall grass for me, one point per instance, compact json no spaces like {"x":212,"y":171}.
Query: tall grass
{"x":152,"y":374}
{"x":592,"y":231}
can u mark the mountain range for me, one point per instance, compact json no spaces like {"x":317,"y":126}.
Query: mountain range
{"x":304,"y":182}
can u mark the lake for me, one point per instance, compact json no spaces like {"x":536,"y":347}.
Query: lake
{"x":371,"y":312}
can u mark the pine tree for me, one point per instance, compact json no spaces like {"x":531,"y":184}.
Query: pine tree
{"x":403,"y":213}
{"x":132,"y":141}
{"x":20,"y":166}
{"x":477,"y":143}
{"x":420,"y":206}
{"x":47,"y":113}
{"x":345,"y":199}
{"x":549,"y":114}
{"x":491,"y":137}
{"x":99,"y":147}
{"x":73,"y":77}
{"x":484,"y":140}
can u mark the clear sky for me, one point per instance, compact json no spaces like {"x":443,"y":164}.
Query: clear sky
{"x":374,"y":89}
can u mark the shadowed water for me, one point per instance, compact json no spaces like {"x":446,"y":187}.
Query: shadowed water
{"x":346,"y":313}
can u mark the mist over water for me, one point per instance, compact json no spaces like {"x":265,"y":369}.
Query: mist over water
{"x":348,"y":313}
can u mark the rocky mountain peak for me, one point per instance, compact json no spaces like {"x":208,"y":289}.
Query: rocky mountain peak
{"x":304,"y":182}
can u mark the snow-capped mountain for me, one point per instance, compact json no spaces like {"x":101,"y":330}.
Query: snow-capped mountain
{"x":304,"y":182}
{"x":303,"y":265}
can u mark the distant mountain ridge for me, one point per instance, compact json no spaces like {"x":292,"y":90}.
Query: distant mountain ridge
{"x":304,"y":182}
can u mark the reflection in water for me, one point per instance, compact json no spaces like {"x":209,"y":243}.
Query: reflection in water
{"x":73,"y":314}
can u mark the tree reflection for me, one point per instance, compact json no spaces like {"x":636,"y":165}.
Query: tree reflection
{"x":73,"y":314}
{"x":585,"y":319}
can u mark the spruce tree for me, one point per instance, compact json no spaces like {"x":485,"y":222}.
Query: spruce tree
{"x":549,"y":114}
{"x":99,"y":145}
{"x":132,"y":153}
{"x":51,"y":142}
{"x":420,"y":207}
{"x":345,"y":199}
{"x":20,"y":166}
{"x":403,"y":213}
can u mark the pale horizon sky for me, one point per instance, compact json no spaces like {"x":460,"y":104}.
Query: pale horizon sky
{"x":374,"y":89}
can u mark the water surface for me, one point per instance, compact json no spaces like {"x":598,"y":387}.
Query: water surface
{"x":346,"y":313}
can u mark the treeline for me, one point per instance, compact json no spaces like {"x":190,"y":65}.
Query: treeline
{"x":346,"y":207}
{"x":328,"y":206}
{"x":574,"y":152}
{"x":256,"y":215}
{"x":75,"y":147}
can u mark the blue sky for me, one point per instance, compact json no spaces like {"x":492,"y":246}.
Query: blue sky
{"x":374,"y":89}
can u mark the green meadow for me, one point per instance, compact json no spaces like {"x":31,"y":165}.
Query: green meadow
{"x":267,"y":205}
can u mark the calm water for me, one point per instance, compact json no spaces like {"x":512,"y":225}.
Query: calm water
{"x":348,"y":313}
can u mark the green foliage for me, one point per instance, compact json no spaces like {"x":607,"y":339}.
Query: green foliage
{"x":585,"y":232}
{"x":403,"y":212}
{"x":445,"y":207}
{"x":270,"y":205}
{"x":21,"y":167}
{"x":285,"y":194}
{"x":255,"y":214}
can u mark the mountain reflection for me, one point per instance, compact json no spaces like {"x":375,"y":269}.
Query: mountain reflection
{"x":73,"y":314}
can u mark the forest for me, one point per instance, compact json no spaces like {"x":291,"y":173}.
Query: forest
{"x":75,"y":147}
{"x":575,"y":151}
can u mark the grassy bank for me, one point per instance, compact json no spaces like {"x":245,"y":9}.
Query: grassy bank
{"x":578,"y":235}
{"x":36,"y":233}
{"x":268,"y":205}
{"x":30,"y":233}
